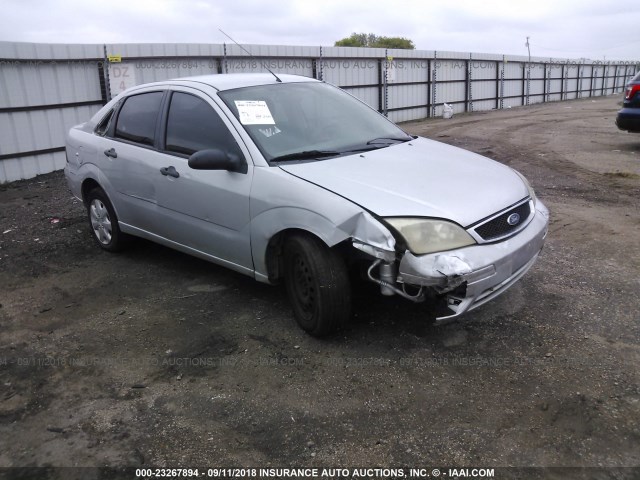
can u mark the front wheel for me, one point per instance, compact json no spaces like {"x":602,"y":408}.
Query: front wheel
{"x":103,"y":221}
{"x":317,"y":284}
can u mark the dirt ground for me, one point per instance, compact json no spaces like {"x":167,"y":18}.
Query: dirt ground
{"x":154,"y":358}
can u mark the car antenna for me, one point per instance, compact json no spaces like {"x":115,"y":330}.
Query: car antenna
{"x":247,"y":51}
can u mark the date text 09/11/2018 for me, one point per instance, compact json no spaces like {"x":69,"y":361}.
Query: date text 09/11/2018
{"x":328,"y":473}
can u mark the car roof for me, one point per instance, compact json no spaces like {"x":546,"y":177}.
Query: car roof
{"x":228,"y":81}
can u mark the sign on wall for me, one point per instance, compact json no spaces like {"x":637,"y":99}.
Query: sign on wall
{"x":121,"y":76}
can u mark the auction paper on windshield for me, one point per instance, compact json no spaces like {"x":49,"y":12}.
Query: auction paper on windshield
{"x":254,"y":112}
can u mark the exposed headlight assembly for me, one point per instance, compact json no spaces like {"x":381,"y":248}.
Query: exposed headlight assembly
{"x":532,"y":194}
{"x":427,"y":236}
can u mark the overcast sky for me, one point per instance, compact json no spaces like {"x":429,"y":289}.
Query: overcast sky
{"x":558,"y":28}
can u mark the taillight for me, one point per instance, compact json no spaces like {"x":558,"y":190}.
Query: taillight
{"x":631,"y":91}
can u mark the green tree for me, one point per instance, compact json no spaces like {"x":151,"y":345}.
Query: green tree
{"x":374,"y":41}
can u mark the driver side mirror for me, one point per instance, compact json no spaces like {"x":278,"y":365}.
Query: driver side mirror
{"x":214,"y":159}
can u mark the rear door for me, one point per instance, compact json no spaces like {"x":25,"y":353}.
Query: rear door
{"x":207,"y":210}
{"x":131,"y":158}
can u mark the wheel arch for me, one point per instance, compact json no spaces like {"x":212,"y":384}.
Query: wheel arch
{"x":88,"y":184}
{"x":92,"y":178}
{"x":271,"y":228}
{"x":274,"y":251}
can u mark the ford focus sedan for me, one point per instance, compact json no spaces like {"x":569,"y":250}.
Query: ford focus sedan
{"x":291,"y":180}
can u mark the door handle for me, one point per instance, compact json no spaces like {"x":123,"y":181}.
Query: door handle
{"x":171,"y":171}
{"x":111,"y":153}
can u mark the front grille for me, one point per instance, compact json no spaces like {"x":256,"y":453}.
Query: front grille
{"x":499,"y":227}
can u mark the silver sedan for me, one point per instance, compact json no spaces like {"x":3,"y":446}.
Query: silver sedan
{"x":292,"y":180}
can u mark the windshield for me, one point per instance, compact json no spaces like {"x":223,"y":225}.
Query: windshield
{"x":309,"y":120}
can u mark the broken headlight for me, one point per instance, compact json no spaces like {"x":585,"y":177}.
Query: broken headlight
{"x":427,"y":236}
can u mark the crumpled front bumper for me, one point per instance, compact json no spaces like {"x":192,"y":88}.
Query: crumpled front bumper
{"x":487,"y":270}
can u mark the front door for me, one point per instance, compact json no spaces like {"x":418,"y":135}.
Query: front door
{"x":207,"y":210}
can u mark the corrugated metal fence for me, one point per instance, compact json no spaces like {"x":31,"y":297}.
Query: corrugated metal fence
{"x":47,"y":88}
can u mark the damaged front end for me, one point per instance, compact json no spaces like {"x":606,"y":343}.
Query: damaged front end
{"x":387,"y":272}
{"x":465,"y":277}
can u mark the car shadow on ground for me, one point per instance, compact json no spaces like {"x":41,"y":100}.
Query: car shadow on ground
{"x":370,"y":310}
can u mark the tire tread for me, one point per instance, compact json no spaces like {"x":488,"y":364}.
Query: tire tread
{"x":333,"y":279}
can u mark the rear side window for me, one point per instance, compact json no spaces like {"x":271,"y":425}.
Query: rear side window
{"x":192,"y":125}
{"x":137,"y":118}
{"x":103,"y":126}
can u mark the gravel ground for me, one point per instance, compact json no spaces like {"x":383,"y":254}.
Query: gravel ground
{"x":154,"y":358}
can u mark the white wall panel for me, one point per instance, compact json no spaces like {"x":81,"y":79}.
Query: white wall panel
{"x":367,"y":95}
{"x":13,"y":169}
{"x":40,"y":129}
{"x":483,"y":90}
{"x":483,"y":69}
{"x":56,"y":75}
{"x":31,"y":83}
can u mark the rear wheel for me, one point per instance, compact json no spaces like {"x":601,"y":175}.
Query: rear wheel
{"x":103,"y":221}
{"x":317,"y":284}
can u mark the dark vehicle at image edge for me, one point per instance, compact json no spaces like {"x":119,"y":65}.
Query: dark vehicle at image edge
{"x":629,"y":117}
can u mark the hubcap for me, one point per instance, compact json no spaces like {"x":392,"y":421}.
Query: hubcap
{"x":100,"y":221}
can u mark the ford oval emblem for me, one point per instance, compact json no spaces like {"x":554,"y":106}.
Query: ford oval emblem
{"x":513,"y":219}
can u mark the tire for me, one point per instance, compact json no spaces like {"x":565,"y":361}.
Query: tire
{"x":317,"y":283}
{"x":104,"y":222}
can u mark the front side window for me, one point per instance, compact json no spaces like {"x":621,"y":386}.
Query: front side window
{"x":192,"y":125}
{"x":137,"y":118}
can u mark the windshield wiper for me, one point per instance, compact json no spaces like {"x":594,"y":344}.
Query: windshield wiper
{"x":393,"y":139}
{"x":307,"y":154}
{"x":313,"y":154}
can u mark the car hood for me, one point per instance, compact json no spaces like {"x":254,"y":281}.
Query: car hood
{"x":421,"y":178}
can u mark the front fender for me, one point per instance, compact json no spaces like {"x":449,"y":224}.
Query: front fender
{"x":358,"y":226}
{"x":281,"y":201}
{"x":271,"y":222}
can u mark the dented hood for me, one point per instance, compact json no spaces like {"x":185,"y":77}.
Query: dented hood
{"x":421,"y":178}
